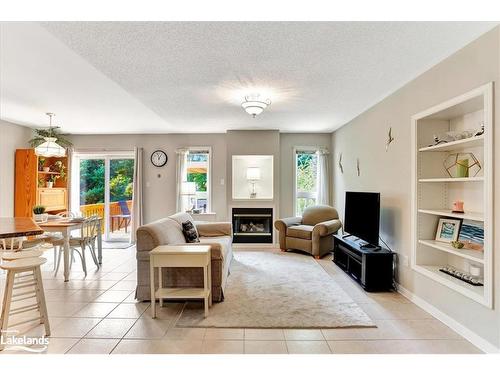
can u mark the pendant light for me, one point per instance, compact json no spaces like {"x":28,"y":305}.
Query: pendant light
{"x":50,"y":147}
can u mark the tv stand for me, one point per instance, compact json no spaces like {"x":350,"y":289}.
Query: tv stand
{"x":371,"y":268}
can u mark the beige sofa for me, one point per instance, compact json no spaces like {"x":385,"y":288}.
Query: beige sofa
{"x":168,"y":231}
{"x":312,"y":233}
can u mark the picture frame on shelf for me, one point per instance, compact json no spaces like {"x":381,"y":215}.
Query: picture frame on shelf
{"x":472,"y":235}
{"x":448,"y":230}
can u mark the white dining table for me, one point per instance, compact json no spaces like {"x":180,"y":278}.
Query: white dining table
{"x":65,"y":226}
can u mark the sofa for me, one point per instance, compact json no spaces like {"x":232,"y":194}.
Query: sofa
{"x":312,"y":233}
{"x":168,"y":231}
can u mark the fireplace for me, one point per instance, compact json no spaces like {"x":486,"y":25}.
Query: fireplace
{"x":252,"y":225}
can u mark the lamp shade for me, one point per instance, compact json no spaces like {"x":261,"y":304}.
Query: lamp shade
{"x":253,"y":173}
{"x":188,"y":188}
{"x":50,"y":148}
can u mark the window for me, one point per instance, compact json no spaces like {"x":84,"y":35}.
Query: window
{"x":306,"y":179}
{"x":197,"y":172}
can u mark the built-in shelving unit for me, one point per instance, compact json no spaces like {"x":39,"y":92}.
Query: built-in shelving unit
{"x":434,"y":191}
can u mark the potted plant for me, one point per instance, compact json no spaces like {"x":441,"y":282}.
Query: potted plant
{"x":41,"y":163}
{"x":60,"y":168}
{"x":50,"y":181}
{"x":39,"y":214}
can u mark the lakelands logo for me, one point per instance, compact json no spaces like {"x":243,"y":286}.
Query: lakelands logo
{"x":10,"y":341}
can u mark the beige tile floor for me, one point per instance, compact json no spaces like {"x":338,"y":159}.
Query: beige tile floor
{"x":99,"y":315}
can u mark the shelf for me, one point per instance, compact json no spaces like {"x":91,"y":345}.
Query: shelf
{"x":476,"y":256}
{"x":474,"y":292}
{"x":475,"y":216}
{"x":452,"y":179}
{"x":42,"y":172}
{"x":181,"y":293}
{"x":459,"y":145}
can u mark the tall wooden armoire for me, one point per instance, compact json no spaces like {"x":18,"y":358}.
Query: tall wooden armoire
{"x":31,"y":183}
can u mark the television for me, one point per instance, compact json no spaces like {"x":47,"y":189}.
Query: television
{"x":362,"y":216}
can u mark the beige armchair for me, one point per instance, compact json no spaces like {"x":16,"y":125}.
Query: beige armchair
{"x":312,"y":233}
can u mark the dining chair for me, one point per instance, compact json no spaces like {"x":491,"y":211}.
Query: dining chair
{"x":88,"y":234}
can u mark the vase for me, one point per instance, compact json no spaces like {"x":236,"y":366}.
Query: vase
{"x":50,"y":184}
{"x":46,"y":169}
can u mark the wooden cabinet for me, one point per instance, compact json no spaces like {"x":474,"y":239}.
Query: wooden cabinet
{"x":31,"y":184}
{"x":53,"y":199}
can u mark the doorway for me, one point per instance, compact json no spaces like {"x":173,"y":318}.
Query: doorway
{"x":102,"y":185}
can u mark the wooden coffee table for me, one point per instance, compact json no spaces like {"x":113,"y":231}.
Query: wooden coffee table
{"x":180,"y":256}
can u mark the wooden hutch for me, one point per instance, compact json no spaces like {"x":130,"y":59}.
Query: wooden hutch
{"x":31,"y":183}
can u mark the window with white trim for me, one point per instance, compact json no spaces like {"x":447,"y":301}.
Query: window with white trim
{"x":306,"y":179}
{"x":198,"y":171}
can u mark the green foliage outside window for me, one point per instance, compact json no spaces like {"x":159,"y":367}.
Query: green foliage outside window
{"x":200,"y":179}
{"x":92,"y":180}
{"x":306,"y":172}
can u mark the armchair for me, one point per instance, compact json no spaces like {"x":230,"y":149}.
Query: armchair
{"x":312,"y":233}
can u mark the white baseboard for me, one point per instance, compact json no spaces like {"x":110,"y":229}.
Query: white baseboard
{"x":463,"y":331}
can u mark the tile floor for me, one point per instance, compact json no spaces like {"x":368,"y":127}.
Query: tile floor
{"x":98,"y":315}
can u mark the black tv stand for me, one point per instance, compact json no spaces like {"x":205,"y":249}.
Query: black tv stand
{"x":371,"y":268}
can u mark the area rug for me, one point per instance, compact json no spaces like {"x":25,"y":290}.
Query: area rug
{"x":278,"y":290}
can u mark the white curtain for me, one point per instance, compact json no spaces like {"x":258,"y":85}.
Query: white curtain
{"x":137,"y":214}
{"x":323,"y":178}
{"x":181,"y":176}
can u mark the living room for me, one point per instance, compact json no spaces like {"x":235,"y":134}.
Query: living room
{"x":278,"y":188}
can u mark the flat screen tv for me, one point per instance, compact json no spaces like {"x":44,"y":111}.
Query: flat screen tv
{"x":362,"y":216}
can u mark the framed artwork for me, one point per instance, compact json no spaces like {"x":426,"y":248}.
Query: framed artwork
{"x":448,"y":230}
{"x":472,"y":235}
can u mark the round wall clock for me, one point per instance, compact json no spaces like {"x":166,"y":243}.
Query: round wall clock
{"x":159,"y":158}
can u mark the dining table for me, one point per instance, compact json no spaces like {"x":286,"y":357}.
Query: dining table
{"x":65,"y":226}
{"x":11,"y":227}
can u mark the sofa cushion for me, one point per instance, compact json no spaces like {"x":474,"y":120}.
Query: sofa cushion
{"x":220,"y":246}
{"x":300,"y":231}
{"x":317,"y":214}
{"x":161,"y":232}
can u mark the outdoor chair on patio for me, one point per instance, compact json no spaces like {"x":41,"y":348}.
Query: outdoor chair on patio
{"x":123,"y":219}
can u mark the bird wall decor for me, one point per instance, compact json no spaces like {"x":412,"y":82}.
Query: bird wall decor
{"x":341,"y":167}
{"x":390,"y":138}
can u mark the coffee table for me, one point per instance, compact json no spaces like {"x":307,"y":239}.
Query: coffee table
{"x":180,"y":256}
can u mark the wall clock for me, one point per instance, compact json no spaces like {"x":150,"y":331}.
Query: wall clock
{"x":159,"y":158}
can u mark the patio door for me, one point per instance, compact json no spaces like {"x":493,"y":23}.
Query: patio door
{"x":103,"y":185}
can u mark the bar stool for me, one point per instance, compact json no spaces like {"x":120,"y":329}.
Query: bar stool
{"x":23,"y":283}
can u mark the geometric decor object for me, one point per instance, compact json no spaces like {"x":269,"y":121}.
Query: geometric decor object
{"x":341,"y":167}
{"x":462,"y":164}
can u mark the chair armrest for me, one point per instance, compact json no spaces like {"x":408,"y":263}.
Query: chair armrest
{"x":216,"y":229}
{"x":282,"y":224}
{"x":326,"y":228}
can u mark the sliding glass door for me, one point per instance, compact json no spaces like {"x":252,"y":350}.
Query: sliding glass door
{"x":103,"y":185}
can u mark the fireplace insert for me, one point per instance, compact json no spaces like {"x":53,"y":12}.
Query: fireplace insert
{"x":252,"y":225}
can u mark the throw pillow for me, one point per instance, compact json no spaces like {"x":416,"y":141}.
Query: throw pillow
{"x":190,"y":232}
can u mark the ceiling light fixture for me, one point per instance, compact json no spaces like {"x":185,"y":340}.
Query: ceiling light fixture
{"x":50,"y":147}
{"x":254,"y":106}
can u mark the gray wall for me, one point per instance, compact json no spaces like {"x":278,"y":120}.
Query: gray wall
{"x":160,"y":183}
{"x":12,"y":136}
{"x":390,"y":173}
{"x":159,"y":197}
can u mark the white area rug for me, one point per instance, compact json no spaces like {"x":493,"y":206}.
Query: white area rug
{"x":278,"y":290}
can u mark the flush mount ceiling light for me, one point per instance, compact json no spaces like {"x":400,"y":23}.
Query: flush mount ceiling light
{"x":50,"y":147}
{"x":254,"y":106}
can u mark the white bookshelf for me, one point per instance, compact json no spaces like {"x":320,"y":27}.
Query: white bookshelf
{"x":434,"y":191}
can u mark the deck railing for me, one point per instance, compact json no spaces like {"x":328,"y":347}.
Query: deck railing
{"x":97,"y":209}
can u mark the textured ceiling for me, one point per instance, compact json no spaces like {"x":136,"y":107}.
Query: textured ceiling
{"x":193,"y":75}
